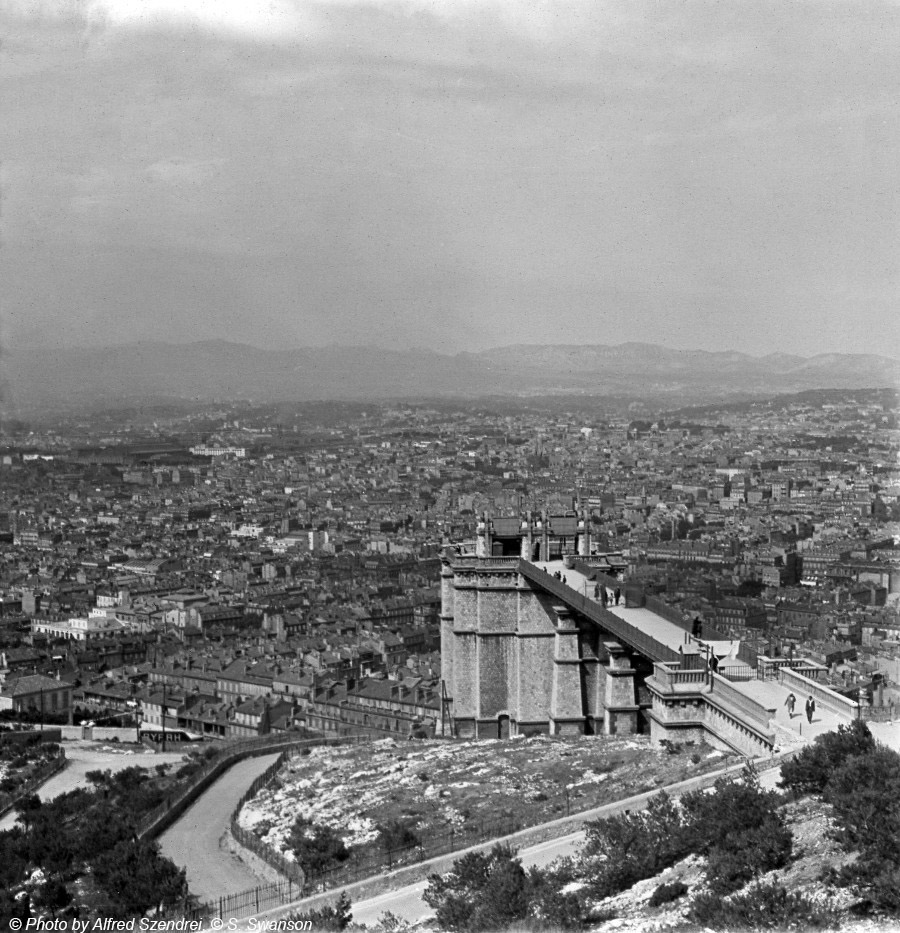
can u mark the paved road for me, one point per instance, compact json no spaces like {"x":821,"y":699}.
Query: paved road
{"x":82,"y":757}
{"x":407,"y":902}
{"x":194,"y":841}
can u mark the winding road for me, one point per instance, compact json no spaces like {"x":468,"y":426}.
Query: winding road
{"x":194,"y":842}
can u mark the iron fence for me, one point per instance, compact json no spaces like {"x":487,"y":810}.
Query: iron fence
{"x":40,"y":776}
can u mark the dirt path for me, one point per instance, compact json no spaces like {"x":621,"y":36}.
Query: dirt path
{"x":195,"y":841}
{"x":82,"y":757}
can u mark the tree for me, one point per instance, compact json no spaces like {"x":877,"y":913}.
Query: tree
{"x":398,"y":834}
{"x":138,"y":878}
{"x":622,"y":850}
{"x":481,"y":892}
{"x":811,"y":769}
{"x":865,"y":794}
{"x":332,"y":917}
{"x":317,"y":848}
{"x":53,"y":896}
{"x":26,"y":809}
{"x":739,"y":829}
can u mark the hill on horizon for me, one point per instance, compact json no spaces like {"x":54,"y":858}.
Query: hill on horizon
{"x":35,"y":378}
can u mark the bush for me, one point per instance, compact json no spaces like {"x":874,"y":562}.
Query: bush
{"x":864,"y":791}
{"x":317,"y":848}
{"x":666,"y":893}
{"x":481,"y":892}
{"x":398,"y":834}
{"x":811,"y":769}
{"x":330,"y":918}
{"x":622,"y":850}
{"x":138,"y":878}
{"x":740,"y":831}
{"x":765,"y":907}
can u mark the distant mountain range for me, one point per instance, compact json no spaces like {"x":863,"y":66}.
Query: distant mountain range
{"x":82,"y":377}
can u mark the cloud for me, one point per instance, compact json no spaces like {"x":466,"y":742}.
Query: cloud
{"x":272,"y":19}
{"x":178,"y":171}
{"x":450,"y":172}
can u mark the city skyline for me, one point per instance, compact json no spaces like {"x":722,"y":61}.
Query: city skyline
{"x":451,"y":177}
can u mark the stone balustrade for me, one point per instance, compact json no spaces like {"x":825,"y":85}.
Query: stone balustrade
{"x":824,"y":696}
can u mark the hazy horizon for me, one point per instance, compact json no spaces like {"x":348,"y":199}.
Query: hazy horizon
{"x":334,"y":345}
{"x":451,"y":176}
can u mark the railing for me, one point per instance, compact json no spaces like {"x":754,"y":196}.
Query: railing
{"x":737,"y":672}
{"x":748,"y":654}
{"x":156,"y":820}
{"x":661,"y":608}
{"x":274,"y":859}
{"x":674,"y":677}
{"x":723,"y":690}
{"x":485,"y":563}
{"x":823,"y":696}
{"x":676,"y":616}
{"x":238,"y":906}
{"x":585,"y":568}
{"x":41,"y":776}
{"x":625,"y":632}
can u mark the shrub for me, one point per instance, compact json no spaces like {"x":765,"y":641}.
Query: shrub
{"x":550,"y":908}
{"x":398,"y":834}
{"x":317,"y":848}
{"x":864,"y":791}
{"x":625,"y":849}
{"x":765,"y":907}
{"x":330,"y":918}
{"x":391,"y":923}
{"x":739,"y":829}
{"x":811,"y":769}
{"x":666,"y":893}
{"x":138,"y":878}
{"x":743,"y":856}
{"x":481,"y":892}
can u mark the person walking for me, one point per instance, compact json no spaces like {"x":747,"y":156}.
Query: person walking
{"x":618,"y":595}
{"x":790,"y":703}
{"x":810,"y":708}
{"x":605,"y":598}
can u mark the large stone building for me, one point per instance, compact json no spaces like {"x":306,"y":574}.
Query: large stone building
{"x":514,"y":658}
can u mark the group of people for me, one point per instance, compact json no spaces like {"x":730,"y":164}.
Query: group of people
{"x":601,"y":593}
{"x":791,"y":702}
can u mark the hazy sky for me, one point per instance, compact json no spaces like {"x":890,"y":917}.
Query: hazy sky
{"x":452,"y":175}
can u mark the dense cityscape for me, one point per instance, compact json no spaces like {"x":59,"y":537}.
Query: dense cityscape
{"x":185,"y":574}
{"x":303,"y":553}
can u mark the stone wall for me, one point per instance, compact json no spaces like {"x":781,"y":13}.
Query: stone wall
{"x":509,"y":649}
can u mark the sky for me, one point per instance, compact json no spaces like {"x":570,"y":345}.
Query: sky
{"x":452,"y":174}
